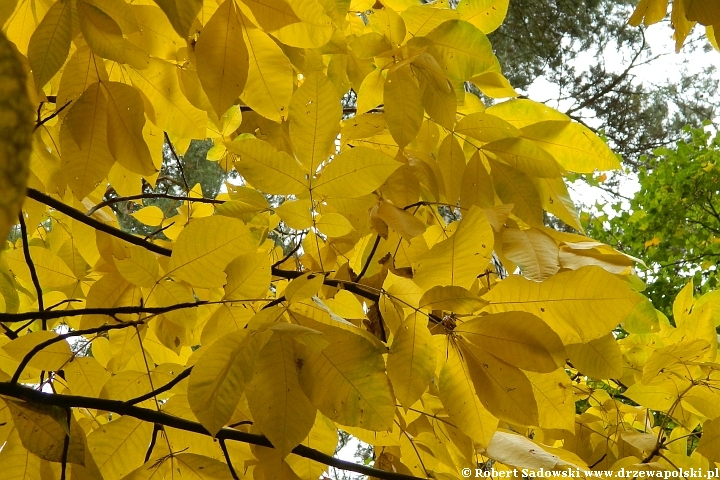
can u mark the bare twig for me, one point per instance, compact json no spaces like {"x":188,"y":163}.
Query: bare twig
{"x":31,"y":265}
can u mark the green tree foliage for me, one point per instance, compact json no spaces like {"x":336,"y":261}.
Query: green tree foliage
{"x":673,"y":221}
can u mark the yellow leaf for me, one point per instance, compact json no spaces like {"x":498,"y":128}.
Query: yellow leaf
{"x":421,"y":19}
{"x":171,"y":110}
{"x":303,"y":287}
{"x":534,"y":252}
{"x":438,"y":95}
{"x":151,"y":215}
{"x":248,"y":276}
{"x":345,"y":305}
{"x":126,"y":120}
{"x":676,"y":353}
{"x":216,"y":382}
{"x":269,"y":85}
{"x":555,"y":400}
{"x":556,"y":200}
{"x":451,"y":161}
{"x":494,"y":84}
{"x":709,"y":446}
{"x":477,"y":186}
{"x":683,"y":303}
{"x":574,"y":146}
{"x":403,"y":105}
{"x":199,"y":467}
{"x":459,"y":259}
{"x":315,"y":114}
{"x":268,"y":170}
{"x":486,"y":127}
{"x":297,"y":23}
{"x":206,"y":246}
{"x":139,"y":268}
{"x":85,"y":376}
{"x":324,"y":438}
{"x":83,"y":139}
{"x":526,"y":156}
{"x":181,"y":13}
{"x":17,"y":462}
{"x":50,"y":43}
{"x":52,"y":357}
{"x":502,"y":388}
{"x":452,"y":298}
{"x":43,"y":429}
{"x":346,"y":381}
{"x":412,"y":360}
{"x":459,"y":397}
{"x":296,"y":214}
{"x":579,"y":305}
{"x":517,"y":451}
{"x":279,"y":407}
{"x":523,"y":112}
{"x":354,"y":173}
{"x":105,"y":38}
{"x":371,"y":91}
{"x":222,"y":57}
{"x":649,"y":12}
{"x":52,"y":272}
{"x":119,"y":447}
{"x":405,"y":224}
{"x":513,"y":186}
{"x":334,"y":225}
{"x":702,"y":400}
{"x":461,"y":49}
{"x":518,"y":338}
{"x":487,"y":15}
{"x":600,"y":358}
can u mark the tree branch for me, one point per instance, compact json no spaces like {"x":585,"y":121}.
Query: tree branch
{"x":130,"y":310}
{"x":369,"y":259}
{"x":179,"y":378}
{"x":31,"y":265}
{"x":141,"y":196}
{"x":224,"y":449}
{"x":91,"y":222}
{"x":121,"y":408}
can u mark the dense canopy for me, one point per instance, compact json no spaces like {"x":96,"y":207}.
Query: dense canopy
{"x":377,"y":261}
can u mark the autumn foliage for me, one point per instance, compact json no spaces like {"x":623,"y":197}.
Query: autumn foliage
{"x":378,"y":261}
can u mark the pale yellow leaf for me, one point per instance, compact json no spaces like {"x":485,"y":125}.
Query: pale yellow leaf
{"x":119,"y":447}
{"x":487,"y":15}
{"x":140,"y":267}
{"x":412,"y":360}
{"x":126,"y":120}
{"x":217,"y":381}
{"x":296,"y":214}
{"x":405,"y":224}
{"x":333,"y":225}
{"x":303,"y":287}
{"x":52,"y":272}
{"x":494,"y":85}
{"x":459,"y":259}
{"x":345,"y":305}
{"x":513,"y":186}
{"x":486,"y":127}
{"x":555,"y":400}
{"x":248,"y":276}
{"x":573,"y":145}
{"x":354,"y":173}
{"x":523,"y":112}
{"x":298,"y":23}
{"x":50,"y":42}
{"x":53,"y":357}
{"x":461,"y":49}
{"x":266,"y":169}
{"x":421,"y":19}
{"x":85,"y":376}
{"x":403,"y":105}
{"x":518,"y":338}
{"x":279,"y":407}
{"x":206,"y":246}
{"x":151,"y":215}
{"x":315,"y":114}
{"x":370,"y":94}
{"x":222,"y":57}
{"x":579,"y":305}
{"x":346,"y":381}
{"x":269,"y":85}
{"x":476,"y":187}
{"x":600,"y":358}
{"x":181,"y":13}
{"x":534,"y":252}
{"x":452,"y":298}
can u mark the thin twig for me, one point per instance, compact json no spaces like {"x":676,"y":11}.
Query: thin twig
{"x":369,"y":259}
{"x":179,"y":378}
{"x":42,"y":122}
{"x":141,"y":196}
{"x":156,"y":429}
{"x":179,"y":162}
{"x":31,"y":265}
{"x":224,"y":449}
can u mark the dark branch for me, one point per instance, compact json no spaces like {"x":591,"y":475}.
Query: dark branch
{"x":91,"y":222}
{"x":228,"y":460}
{"x":156,"y":429}
{"x":42,"y":122}
{"x":369,"y":259}
{"x":180,"y":377}
{"x":31,"y":265}
{"x":129,"y":310}
{"x":147,"y":415}
{"x":141,"y":196}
